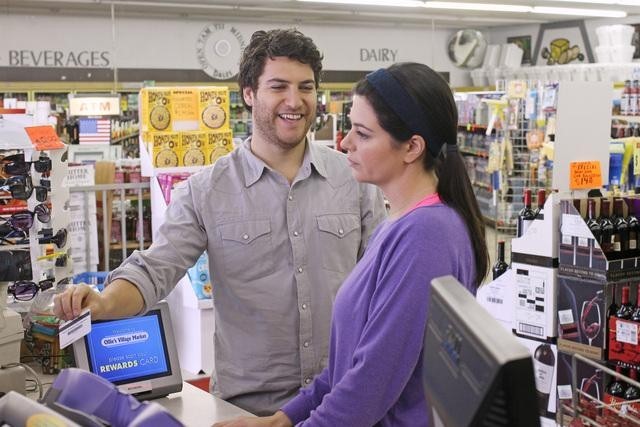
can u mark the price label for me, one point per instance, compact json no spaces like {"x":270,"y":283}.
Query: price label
{"x":585,"y":175}
{"x":626,"y":332}
{"x":516,"y":89}
{"x":44,"y":138}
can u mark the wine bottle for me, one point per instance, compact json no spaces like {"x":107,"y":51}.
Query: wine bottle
{"x":621,"y":229}
{"x":632,"y":392}
{"x":613,"y":308}
{"x":606,"y":227}
{"x":526,"y":215}
{"x":634,"y":231}
{"x":592,"y":220}
{"x":539,"y":211}
{"x":626,"y":309}
{"x":635,"y":316}
{"x":500,"y":266}
{"x":543,"y":364}
{"x":617,"y":387}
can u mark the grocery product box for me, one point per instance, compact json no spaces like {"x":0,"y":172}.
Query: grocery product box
{"x":534,"y":260}
{"x":193,"y":148}
{"x":155,"y":113}
{"x":165,"y":149}
{"x":218,"y":144}
{"x":535,"y":301}
{"x":213,"y":107}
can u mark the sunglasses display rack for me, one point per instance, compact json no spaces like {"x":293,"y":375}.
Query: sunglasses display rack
{"x":33,"y":226}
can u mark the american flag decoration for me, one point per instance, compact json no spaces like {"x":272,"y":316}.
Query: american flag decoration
{"x":95,"y":131}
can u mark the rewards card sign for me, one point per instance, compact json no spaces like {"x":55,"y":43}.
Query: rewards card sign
{"x":127,"y":349}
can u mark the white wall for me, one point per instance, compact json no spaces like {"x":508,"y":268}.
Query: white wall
{"x":498,"y":35}
{"x":171,"y":43}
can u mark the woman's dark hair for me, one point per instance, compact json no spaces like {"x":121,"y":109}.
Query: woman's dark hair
{"x":270,"y":44}
{"x":432,"y":93}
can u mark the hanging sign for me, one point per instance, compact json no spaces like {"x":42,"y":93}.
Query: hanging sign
{"x":44,"y":138}
{"x":585,"y":175}
{"x":94,"y":106}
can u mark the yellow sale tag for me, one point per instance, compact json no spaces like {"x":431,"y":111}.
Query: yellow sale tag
{"x":185,"y":104}
{"x":585,"y":175}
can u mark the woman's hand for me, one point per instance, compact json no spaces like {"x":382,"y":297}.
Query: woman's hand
{"x":279,"y":419}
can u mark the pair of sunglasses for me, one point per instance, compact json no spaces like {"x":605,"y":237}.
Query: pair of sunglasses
{"x":21,"y":188}
{"x":16,"y":165}
{"x":59,"y":239}
{"x":25,"y":290}
{"x":23,"y":221}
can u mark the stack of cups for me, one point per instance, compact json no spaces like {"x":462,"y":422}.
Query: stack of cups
{"x":615,"y":43}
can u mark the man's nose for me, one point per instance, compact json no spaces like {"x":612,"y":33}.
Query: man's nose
{"x":294,"y":98}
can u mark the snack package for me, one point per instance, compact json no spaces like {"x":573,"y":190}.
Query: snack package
{"x":192,"y":148}
{"x":218,"y":144}
{"x":213,"y":106}
{"x":165,"y":149}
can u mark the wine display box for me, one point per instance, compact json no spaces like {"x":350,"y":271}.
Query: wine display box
{"x":607,"y":256}
{"x":534,"y":260}
{"x":545,"y":364}
{"x":589,"y":379}
{"x":582,"y":316}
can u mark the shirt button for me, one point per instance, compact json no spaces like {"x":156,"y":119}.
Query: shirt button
{"x":307,"y":380}
{"x":341,"y":231}
{"x":300,"y":270}
{"x":290,"y":197}
{"x":306,"y":344}
{"x":295,"y":233}
{"x":304,"y":306}
{"x":245,"y":236}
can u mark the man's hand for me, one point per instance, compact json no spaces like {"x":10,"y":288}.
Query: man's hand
{"x":279,"y":419}
{"x":69,"y":304}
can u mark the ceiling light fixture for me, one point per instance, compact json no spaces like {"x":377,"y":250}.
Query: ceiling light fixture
{"x":478,"y":6}
{"x":601,"y":13}
{"x":399,"y":3}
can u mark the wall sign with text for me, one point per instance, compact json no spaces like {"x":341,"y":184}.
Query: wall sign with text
{"x":59,"y":58}
{"x":218,"y":49}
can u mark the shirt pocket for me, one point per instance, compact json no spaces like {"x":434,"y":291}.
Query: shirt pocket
{"x":339,"y":237}
{"x":247,"y":249}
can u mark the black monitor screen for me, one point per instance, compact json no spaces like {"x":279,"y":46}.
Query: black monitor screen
{"x":475,"y":372}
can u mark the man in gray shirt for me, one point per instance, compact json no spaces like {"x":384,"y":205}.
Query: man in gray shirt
{"x":283,"y":222}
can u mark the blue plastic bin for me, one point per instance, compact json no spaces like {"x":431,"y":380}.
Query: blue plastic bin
{"x":96,"y":278}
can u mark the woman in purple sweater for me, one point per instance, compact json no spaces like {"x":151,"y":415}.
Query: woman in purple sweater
{"x":403,"y":139}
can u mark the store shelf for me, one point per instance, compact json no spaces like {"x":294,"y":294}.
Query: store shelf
{"x":482,"y":185}
{"x":119,"y":140}
{"x":473,"y":127}
{"x":130,"y":245}
{"x":628,"y":119}
{"x":474,"y":151}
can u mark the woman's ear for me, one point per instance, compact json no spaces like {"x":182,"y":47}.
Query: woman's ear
{"x":415,"y":148}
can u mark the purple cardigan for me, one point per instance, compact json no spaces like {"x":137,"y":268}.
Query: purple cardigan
{"x":374,"y":375}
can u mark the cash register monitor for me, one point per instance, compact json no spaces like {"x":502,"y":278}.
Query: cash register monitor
{"x":138,"y":354}
{"x":469,"y":357}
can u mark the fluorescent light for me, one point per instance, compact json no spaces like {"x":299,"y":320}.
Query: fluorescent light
{"x":478,"y":6}
{"x":579,"y":12}
{"x":399,"y":3}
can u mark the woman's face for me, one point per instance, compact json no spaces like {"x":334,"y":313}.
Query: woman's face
{"x":372,"y":154}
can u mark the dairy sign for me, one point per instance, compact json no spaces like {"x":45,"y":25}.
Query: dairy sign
{"x":218,"y":49}
{"x":58,"y":58}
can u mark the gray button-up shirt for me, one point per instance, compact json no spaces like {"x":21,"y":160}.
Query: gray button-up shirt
{"x":277,"y":255}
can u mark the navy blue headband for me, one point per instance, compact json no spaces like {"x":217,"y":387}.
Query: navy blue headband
{"x":397,"y":98}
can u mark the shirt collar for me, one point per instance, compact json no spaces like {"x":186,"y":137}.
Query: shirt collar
{"x":254,"y":167}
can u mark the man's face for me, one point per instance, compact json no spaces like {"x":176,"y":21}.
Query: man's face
{"x":284,"y":105}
